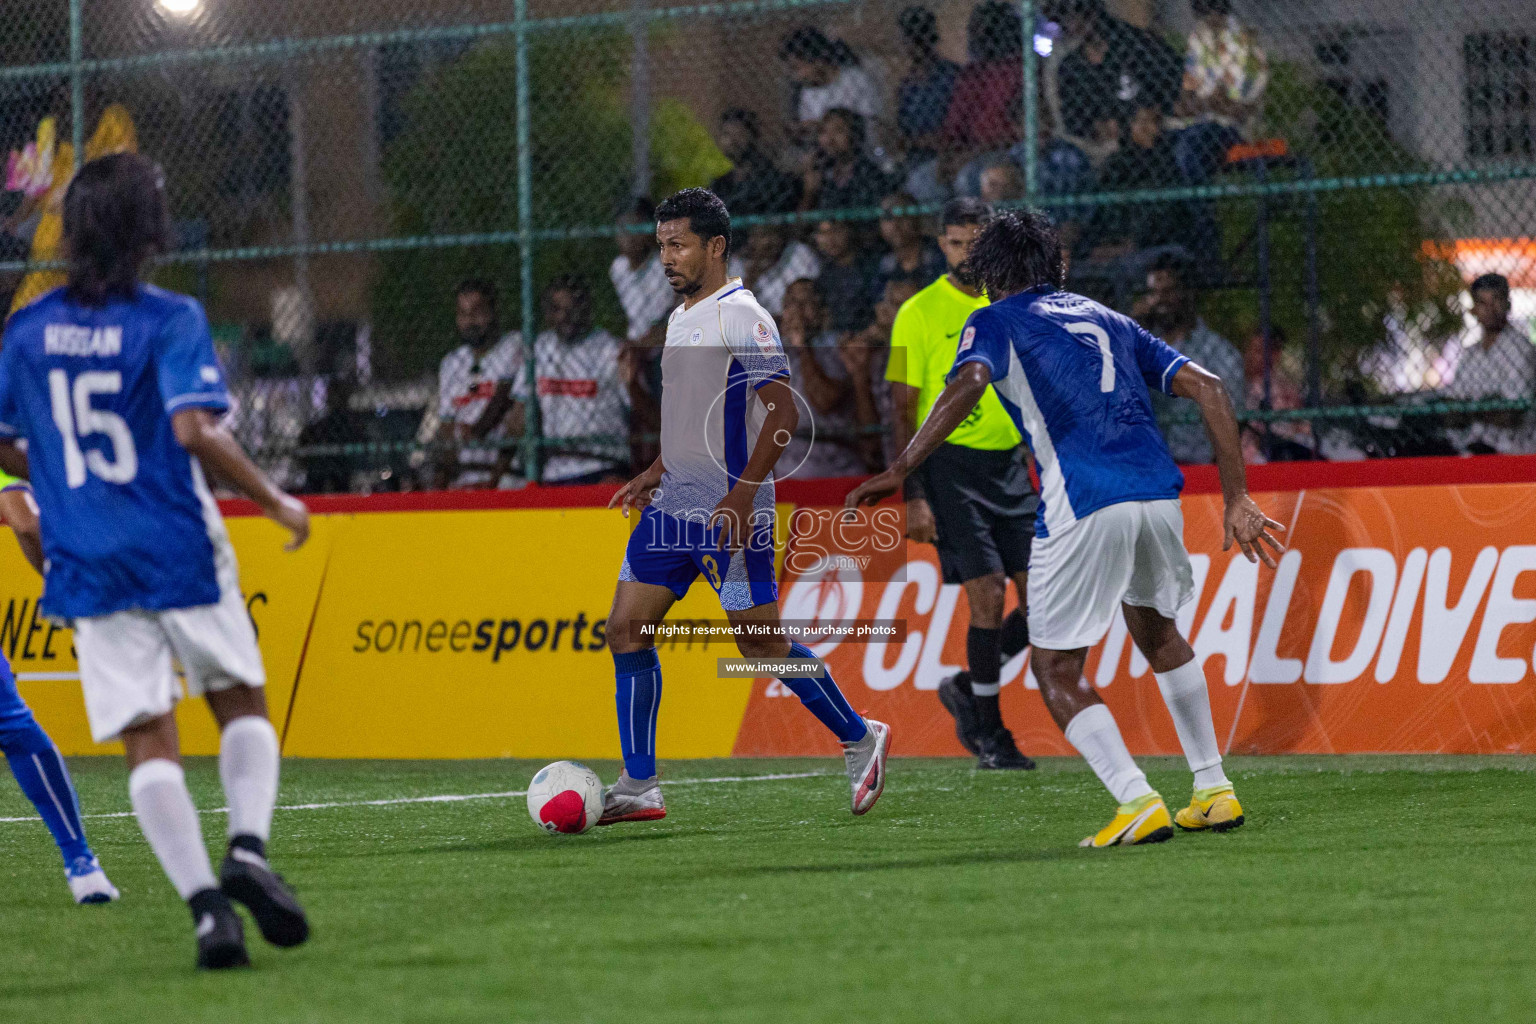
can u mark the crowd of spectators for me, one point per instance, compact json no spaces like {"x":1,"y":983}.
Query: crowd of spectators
{"x":1119,"y":109}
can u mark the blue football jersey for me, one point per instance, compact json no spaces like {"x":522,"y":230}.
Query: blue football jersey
{"x":127,"y":519}
{"x":1074,"y":376}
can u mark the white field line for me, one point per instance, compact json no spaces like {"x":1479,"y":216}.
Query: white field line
{"x":449,"y":798}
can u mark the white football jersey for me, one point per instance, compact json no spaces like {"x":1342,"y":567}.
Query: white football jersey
{"x":718,"y":353}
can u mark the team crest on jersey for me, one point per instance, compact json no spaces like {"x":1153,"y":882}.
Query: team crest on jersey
{"x":696,"y":337}
{"x":968,"y":338}
{"x":763,"y":336}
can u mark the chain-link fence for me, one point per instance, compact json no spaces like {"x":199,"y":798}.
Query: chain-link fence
{"x":382,"y":203}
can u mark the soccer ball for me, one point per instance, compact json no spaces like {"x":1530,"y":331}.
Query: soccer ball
{"x":565,"y":797}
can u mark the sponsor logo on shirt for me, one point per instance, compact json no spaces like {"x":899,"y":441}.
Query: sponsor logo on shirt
{"x":567,"y":387}
{"x":696,"y":337}
{"x":763,"y":336}
{"x":480,"y":390}
{"x":210,"y":374}
{"x":73,"y":340}
{"x":967,"y":339}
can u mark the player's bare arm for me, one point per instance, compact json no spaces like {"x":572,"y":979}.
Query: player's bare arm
{"x":14,"y":461}
{"x":19,"y":510}
{"x":734,"y":513}
{"x":1245,"y":523}
{"x":920,"y":523}
{"x":637,"y":493}
{"x":954,"y":405}
{"x":203,"y":436}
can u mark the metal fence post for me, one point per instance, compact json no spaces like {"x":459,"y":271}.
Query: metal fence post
{"x":640,"y":96}
{"x":77,"y":78}
{"x":532,"y":432}
{"x":1031,"y":107}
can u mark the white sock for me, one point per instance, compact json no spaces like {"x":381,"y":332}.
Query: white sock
{"x":248,"y":759}
{"x":1096,"y":736}
{"x":158,"y":791}
{"x":1189,"y":703}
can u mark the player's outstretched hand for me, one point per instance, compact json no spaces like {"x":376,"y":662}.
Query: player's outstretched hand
{"x":874,"y":490}
{"x":292,"y":516}
{"x":635,"y":494}
{"x":1249,"y":527}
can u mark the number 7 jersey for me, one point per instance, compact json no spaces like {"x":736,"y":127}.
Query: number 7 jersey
{"x":127,"y":518}
{"x":1074,"y":376}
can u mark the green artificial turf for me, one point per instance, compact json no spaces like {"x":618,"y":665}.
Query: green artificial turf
{"x":1361,"y":889}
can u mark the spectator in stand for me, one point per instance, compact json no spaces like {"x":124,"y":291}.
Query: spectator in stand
{"x":771,"y":261}
{"x":828,"y":75}
{"x":866,"y":356}
{"x":584,"y":382}
{"x":753,"y":185}
{"x":1111,"y":71}
{"x":1225,"y":73}
{"x":1494,"y":359}
{"x":1121,"y":229}
{"x":841,"y":175}
{"x":1001,"y":181}
{"x":474,"y":384}
{"x":825,"y":444}
{"x":637,"y":276}
{"x":922,"y":99}
{"x":1169,"y":310}
{"x":1275,"y":384}
{"x":647,"y":299}
{"x":849,"y":277}
{"x":980,"y":119}
{"x":330,"y":471}
{"x":913,"y":256}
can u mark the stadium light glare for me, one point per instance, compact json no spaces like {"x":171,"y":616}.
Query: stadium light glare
{"x":180,"y":8}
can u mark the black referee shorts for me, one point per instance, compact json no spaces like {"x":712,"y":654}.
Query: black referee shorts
{"x":984,"y":507}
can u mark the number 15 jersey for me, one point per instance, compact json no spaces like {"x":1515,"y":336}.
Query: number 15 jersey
{"x":1074,"y":376}
{"x":127,"y":518}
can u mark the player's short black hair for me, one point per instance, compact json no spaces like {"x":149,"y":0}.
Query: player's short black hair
{"x":920,"y":26}
{"x":1200,"y":8}
{"x":1491,"y":283}
{"x":995,"y":31}
{"x":1018,"y":250}
{"x":480,"y":286}
{"x":706,"y":213}
{"x":964,"y":210}
{"x":115,"y":219}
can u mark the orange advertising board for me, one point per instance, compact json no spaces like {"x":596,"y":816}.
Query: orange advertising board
{"x":1400,"y":619}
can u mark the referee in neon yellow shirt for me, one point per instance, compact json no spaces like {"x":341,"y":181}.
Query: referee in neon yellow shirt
{"x":972,"y":498}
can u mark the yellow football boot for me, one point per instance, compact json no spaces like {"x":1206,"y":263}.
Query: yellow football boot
{"x":1215,"y":808}
{"x":1140,"y":821}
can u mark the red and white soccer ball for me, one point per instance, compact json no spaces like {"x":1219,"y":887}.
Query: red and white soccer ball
{"x":565,"y":797}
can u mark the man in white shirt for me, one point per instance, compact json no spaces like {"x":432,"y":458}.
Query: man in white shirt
{"x":774,"y":262}
{"x":638,"y":279}
{"x":647,"y":299}
{"x":583,"y":388}
{"x":1493,"y":358}
{"x":829,"y":76}
{"x":474,"y":384}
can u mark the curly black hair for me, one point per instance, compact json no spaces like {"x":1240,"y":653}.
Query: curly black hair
{"x":1018,"y":250}
{"x":706,"y":213}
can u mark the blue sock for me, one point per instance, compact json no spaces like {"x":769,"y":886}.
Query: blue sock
{"x":638,"y":695}
{"x":823,"y":699}
{"x":43,"y":777}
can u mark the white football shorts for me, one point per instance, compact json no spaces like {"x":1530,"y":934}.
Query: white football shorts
{"x":1131,"y":553}
{"x":128,"y":659}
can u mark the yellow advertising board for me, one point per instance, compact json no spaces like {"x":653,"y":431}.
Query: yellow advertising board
{"x":280,"y":590}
